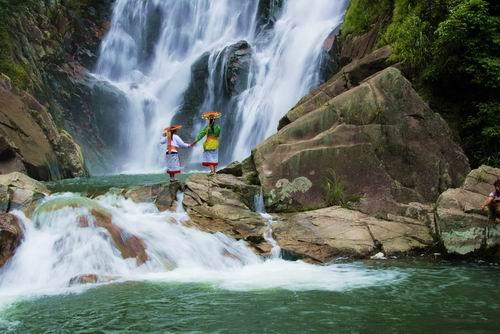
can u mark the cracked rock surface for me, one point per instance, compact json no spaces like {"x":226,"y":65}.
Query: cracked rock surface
{"x":323,"y":234}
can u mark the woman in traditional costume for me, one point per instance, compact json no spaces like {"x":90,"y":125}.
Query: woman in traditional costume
{"x":211,"y":144}
{"x":173,"y":142}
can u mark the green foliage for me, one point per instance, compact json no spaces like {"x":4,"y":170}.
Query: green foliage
{"x":362,"y":15}
{"x":467,"y":45}
{"x":335,"y":194}
{"x":411,"y":28}
{"x":482,"y":132}
{"x":465,"y":66}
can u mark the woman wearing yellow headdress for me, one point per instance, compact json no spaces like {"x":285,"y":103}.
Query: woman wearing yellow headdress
{"x":173,"y":142}
{"x":211,"y":144}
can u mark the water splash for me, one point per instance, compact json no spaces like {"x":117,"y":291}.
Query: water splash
{"x":151,"y":48}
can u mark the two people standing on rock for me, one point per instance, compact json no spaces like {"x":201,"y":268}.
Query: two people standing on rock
{"x":493,"y":202}
{"x":210,"y":147}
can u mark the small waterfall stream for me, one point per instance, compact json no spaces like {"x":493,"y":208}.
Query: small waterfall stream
{"x":268,"y":236}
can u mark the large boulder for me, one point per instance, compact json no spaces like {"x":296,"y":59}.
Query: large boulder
{"x":11,"y":235}
{"x":462,"y":226}
{"x":223,"y":203}
{"x":30,"y":142}
{"x":324,"y":234}
{"x":378,"y":140}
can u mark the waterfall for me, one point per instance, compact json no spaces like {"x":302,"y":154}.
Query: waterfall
{"x":173,"y":59}
{"x":66,"y":237}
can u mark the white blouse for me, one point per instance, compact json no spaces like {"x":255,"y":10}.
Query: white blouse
{"x":176,"y":141}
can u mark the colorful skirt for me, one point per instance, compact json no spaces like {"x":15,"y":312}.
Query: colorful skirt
{"x":173,"y":163}
{"x":210,"y":158}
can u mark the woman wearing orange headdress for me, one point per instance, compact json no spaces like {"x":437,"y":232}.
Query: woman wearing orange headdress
{"x":211,"y":145}
{"x":173,"y":142}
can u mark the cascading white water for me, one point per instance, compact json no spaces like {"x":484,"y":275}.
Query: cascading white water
{"x":151,"y":46}
{"x":57,"y":247}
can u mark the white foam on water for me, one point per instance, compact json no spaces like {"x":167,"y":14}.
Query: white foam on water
{"x":281,"y":274}
{"x":56,"y":248}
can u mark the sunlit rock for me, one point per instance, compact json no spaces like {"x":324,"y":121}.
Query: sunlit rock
{"x":324,"y":234}
{"x":23,"y":192}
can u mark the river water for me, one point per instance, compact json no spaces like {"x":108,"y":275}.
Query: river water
{"x":200,"y":282}
{"x":425,"y":298}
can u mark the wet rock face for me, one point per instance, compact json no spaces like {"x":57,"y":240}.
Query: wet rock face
{"x":228,"y":72}
{"x":11,"y":235}
{"x":54,"y":44}
{"x":380,"y":140}
{"x":130,"y":246}
{"x":267,"y":13}
{"x":30,"y":142}
{"x":329,"y":57}
{"x":237,"y":62}
{"x":462,"y":226}
{"x":89,"y":109}
{"x":194,"y":95}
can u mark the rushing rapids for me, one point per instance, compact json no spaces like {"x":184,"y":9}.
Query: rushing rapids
{"x":253,"y":60}
{"x":68,"y":241}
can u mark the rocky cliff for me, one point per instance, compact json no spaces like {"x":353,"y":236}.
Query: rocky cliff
{"x":31,"y":142}
{"x":46,"y":50}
